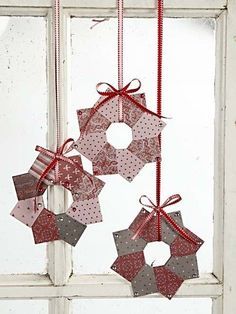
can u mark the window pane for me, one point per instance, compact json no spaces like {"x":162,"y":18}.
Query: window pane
{"x":188,"y":97}
{"x":23,"y":124}
{"x":140,"y":306}
{"x":24,"y":306}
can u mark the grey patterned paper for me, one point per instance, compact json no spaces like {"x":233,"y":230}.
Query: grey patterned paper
{"x":145,"y":282}
{"x":69,"y":229}
{"x":26,"y":186}
{"x":125,"y":244}
{"x":168,"y":234}
{"x":185,"y":267}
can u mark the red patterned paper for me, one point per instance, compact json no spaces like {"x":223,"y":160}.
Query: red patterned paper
{"x":131,"y":113}
{"x":167,"y":282}
{"x":181,"y":247}
{"x":68,"y":174}
{"x":89,"y":187}
{"x":98,"y":123}
{"x":146,"y":149}
{"x":38,"y":167}
{"x":105,"y":162}
{"x":150,"y":233}
{"x":45,"y":228}
{"x":129,"y":265}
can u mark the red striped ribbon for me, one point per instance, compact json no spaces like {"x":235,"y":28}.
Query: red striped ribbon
{"x":160,"y":17}
{"x":120,"y":56}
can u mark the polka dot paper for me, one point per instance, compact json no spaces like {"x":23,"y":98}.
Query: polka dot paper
{"x":146,"y":279}
{"x":105,"y":158}
{"x":47,"y":226}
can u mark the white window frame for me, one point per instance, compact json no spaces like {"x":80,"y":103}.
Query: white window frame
{"x":61,"y":285}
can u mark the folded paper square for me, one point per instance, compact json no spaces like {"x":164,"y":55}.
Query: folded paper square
{"x":85,"y":211}
{"x":69,"y":175}
{"x":27,"y":211}
{"x":26,"y":186}
{"x":38,"y":167}
{"x":45,"y":227}
{"x":70,"y":230}
{"x":89,"y":187}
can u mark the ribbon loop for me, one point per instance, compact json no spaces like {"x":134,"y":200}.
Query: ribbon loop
{"x":171,"y":200}
{"x":153,"y":206}
{"x":159,"y":211}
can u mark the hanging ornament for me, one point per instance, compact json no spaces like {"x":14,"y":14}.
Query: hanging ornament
{"x":56,"y":168}
{"x":158,"y":226}
{"x":52,"y":168}
{"x":154,"y":226}
{"x":122,"y":105}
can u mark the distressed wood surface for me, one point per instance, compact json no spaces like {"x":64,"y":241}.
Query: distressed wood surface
{"x":59,"y":252}
{"x":219,"y":163}
{"x":189,"y":4}
{"x":94,"y":286}
{"x":144,"y":13}
{"x":59,"y":306}
{"x":229,"y":249}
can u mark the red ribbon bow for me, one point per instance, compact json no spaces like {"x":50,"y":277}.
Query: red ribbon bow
{"x":113,"y":92}
{"x":57,"y":156}
{"x":159,"y":212}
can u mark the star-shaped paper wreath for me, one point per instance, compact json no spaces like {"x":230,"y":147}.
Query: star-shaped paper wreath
{"x":105,"y":158}
{"x":46,"y":225}
{"x":146,"y":279}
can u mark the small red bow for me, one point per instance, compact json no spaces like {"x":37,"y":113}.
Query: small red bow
{"x":159,"y":212}
{"x":113,"y":92}
{"x":57,"y":156}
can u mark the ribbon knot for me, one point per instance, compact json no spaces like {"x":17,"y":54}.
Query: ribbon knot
{"x":123,"y":93}
{"x":158,"y":210}
{"x":55,"y":158}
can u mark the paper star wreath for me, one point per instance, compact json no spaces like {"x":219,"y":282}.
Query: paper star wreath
{"x":85,"y":188}
{"x":94,"y":122}
{"x":131,"y":263}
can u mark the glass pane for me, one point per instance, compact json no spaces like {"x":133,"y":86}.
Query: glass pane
{"x":24,"y":306}
{"x":23,"y":125}
{"x":140,"y":306}
{"x":188,"y":97}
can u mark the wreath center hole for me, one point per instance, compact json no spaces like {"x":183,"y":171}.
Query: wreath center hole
{"x":119,"y":135}
{"x":156,"y":253}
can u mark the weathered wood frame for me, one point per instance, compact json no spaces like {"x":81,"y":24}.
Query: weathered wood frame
{"x":60,"y":284}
